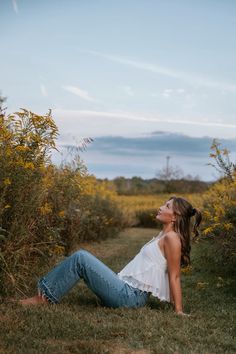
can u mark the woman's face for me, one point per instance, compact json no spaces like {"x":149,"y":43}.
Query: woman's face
{"x":165,"y":213}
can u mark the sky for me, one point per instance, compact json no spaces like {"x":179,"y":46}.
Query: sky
{"x":144,"y":79}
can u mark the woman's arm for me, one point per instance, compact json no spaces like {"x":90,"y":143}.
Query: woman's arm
{"x":172,"y":247}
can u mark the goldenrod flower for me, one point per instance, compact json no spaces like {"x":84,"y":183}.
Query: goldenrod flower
{"x":21,"y":148}
{"x":208,"y":230}
{"x":46,"y":209}
{"x":29,"y":165}
{"x":7,"y":181}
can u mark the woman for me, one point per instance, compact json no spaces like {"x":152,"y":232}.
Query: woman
{"x":155,"y":270}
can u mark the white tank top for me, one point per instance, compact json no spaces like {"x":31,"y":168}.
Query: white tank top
{"x":147,"y":271}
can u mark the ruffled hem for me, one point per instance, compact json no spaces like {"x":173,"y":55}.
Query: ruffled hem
{"x":145,"y":287}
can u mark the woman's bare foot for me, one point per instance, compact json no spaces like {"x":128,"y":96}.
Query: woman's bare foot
{"x":35,"y":300}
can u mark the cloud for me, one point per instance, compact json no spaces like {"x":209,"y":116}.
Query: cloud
{"x":154,"y":143}
{"x":196,"y":80}
{"x":136,"y":117}
{"x":167,"y":92}
{"x":79,"y":92}
{"x":111,"y":156}
{"x":15,"y":6}
{"x":43,"y":90}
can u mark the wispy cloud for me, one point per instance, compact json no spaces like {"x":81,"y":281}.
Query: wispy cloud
{"x":129,"y":91}
{"x":147,"y":118}
{"x":43,"y":90}
{"x":170,"y":92}
{"x":196,"y":80}
{"x":15,"y":6}
{"x":79,"y":92}
{"x":167,"y":93}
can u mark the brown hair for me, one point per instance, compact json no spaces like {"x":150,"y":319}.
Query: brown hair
{"x":184,"y":211}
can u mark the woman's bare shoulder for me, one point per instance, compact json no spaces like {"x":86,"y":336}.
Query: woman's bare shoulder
{"x":172,"y":237}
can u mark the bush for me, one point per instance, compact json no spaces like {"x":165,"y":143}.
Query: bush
{"x":219,"y":209}
{"x":26,"y":140}
{"x":99,"y":218}
{"x":44,"y":210}
{"x":146,"y":218}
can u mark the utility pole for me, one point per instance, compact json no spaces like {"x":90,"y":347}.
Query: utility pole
{"x":167,"y":167}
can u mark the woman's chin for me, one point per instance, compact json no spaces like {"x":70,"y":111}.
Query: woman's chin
{"x":158,"y":219}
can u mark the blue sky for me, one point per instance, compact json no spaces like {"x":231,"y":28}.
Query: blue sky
{"x":125,"y":68}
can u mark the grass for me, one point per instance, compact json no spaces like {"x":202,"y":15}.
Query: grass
{"x":79,"y":324}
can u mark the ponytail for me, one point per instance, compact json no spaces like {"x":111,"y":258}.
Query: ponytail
{"x":198,"y":218}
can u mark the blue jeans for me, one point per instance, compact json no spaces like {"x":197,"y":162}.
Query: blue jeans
{"x":112,"y":291}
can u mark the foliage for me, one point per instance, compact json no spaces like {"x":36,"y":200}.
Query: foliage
{"x":26,"y":140}
{"x":139,"y":186}
{"x":44,"y":210}
{"x":222,"y":160}
{"x":99,"y":218}
{"x":220,"y":208}
{"x":2,"y":100}
{"x":146,"y":218}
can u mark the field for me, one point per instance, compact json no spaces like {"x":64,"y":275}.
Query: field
{"x":132,"y":204}
{"x":79,"y":324}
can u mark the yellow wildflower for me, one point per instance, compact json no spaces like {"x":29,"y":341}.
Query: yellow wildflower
{"x":29,"y":165}
{"x":228,"y":226}
{"x":46,"y":209}
{"x":208,"y":230}
{"x":8,"y":151}
{"x":61,"y":213}
{"x":22,"y":148}
{"x":7,"y":181}
{"x":7,"y":206}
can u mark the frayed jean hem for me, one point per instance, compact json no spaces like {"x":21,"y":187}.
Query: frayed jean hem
{"x":45,"y":292}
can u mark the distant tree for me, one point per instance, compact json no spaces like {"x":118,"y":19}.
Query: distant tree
{"x":174,"y":179}
{"x":169,"y":172}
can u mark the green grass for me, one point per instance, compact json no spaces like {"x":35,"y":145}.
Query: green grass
{"x":79,"y":324}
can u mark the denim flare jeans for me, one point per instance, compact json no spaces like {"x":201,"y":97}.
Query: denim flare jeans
{"x":112,"y":291}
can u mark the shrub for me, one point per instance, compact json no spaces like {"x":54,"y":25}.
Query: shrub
{"x":26,"y":140}
{"x":99,"y":218}
{"x":146,"y":218}
{"x":219,"y":209}
{"x":44,"y":210}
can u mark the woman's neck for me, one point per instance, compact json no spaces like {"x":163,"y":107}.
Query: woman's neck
{"x":166,"y":228}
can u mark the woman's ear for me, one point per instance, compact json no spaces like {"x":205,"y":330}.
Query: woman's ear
{"x":173,"y":218}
